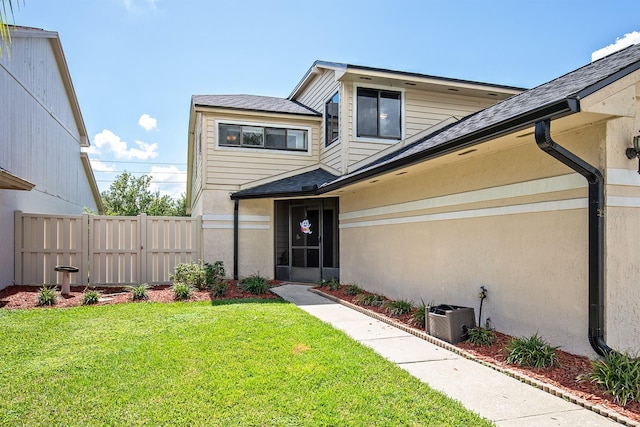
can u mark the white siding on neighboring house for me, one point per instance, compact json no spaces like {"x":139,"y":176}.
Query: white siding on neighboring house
{"x":40,"y":137}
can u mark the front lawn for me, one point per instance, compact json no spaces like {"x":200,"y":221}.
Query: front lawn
{"x":245,"y":363}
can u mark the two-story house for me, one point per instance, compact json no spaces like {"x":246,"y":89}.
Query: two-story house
{"x":425,"y":188}
{"x":272,"y":153}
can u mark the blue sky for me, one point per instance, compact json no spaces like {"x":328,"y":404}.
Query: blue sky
{"x":136,"y":63}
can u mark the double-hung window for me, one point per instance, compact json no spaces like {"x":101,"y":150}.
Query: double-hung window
{"x":262,"y":137}
{"x":378,"y":113}
{"x":332,"y":120}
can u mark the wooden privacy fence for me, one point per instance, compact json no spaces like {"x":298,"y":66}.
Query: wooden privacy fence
{"x":108,"y":250}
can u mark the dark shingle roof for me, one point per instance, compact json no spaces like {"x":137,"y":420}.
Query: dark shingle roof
{"x":553,"y":99}
{"x":254,"y":103}
{"x":298,"y":185}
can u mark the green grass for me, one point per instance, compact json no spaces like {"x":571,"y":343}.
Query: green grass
{"x":228,"y":364}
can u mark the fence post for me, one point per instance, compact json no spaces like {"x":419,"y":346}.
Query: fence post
{"x":17,"y":247}
{"x":200,"y":238}
{"x":142,"y":250}
{"x":85,"y":265}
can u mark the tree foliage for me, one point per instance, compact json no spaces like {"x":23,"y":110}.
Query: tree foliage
{"x":130,"y":196}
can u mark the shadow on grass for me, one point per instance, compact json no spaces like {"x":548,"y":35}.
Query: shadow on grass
{"x":256,"y":300}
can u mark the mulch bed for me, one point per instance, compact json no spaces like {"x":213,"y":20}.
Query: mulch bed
{"x":24,"y":297}
{"x":566,"y":376}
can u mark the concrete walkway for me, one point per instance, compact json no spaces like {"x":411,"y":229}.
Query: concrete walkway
{"x":492,"y":394}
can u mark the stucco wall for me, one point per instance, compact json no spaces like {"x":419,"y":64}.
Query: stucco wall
{"x":514,"y":221}
{"x":255,"y":233}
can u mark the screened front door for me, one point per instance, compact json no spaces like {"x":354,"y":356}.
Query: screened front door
{"x":306,"y":240}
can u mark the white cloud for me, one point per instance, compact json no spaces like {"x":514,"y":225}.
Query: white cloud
{"x":147,"y":122}
{"x":168,"y":180}
{"x":99,"y":166}
{"x":109,"y":141}
{"x":626,"y":41}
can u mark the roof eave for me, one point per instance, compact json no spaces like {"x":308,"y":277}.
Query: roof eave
{"x":313,"y":71}
{"x":279,"y":195}
{"x":202,"y":107}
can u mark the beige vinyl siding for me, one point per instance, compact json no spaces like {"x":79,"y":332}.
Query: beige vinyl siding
{"x":316,"y":94}
{"x":424,"y":109}
{"x":236,"y":166}
{"x":199,"y":148}
{"x":332,"y":156}
{"x":420,"y":110}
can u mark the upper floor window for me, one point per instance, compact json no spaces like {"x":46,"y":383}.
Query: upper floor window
{"x":262,"y":137}
{"x":331,"y":120}
{"x":378,"y":113}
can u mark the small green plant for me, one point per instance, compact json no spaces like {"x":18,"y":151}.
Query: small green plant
{"x":619,"y":375}
{"x":481,"y":336}
{"x":533,"y":351}
{"x":192,"y":274}
{"x":255,"y":284}
{"x":333,"y":284}
{"x":139,"y":292}
{"x":419,"y":317}
{"x":47,"y":295}
{"x":398,"y":308}
{"x":182,"y":290}
{"x":370,"y":300}
{"x":219,"y":288}
{"x":214,"y":273}
{"x":90,"y":297}
{"x":352,"y":290}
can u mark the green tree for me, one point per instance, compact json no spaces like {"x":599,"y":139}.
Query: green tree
{"x":129,"y":196}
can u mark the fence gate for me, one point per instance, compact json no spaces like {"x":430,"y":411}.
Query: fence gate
{"x":108,"y":250}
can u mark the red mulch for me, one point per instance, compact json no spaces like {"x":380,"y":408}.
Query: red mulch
{"x":566,"y":376}
{"x":14,"y":297}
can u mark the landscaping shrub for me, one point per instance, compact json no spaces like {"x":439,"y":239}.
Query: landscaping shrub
{"x":215,"y":278}
{"x":182,"y":290}
{"x":352,"y":290}
{"x":370,"y":300}
{"x":419,"y":317}
{"x":398,"y":308}
{"x":218,"y":288}
{"x":193,"y":274}
{"x":255,"y":284}
{"x":47,"y":295}
{"x":533,"y":351}
{"x":214,"y":273}
{"x":139,"y":292}
{"x":332,"y":285}
{"x":619,"y":375}
{"x":90,"y":297}
{"x":481,"y":336}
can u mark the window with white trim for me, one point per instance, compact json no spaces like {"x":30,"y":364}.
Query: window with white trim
{"x":379,"y":113}
{"x":271,"y":138}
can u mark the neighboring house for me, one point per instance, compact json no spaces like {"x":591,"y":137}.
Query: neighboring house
{"x":42,"y":168}
{"x":426,"y":188}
